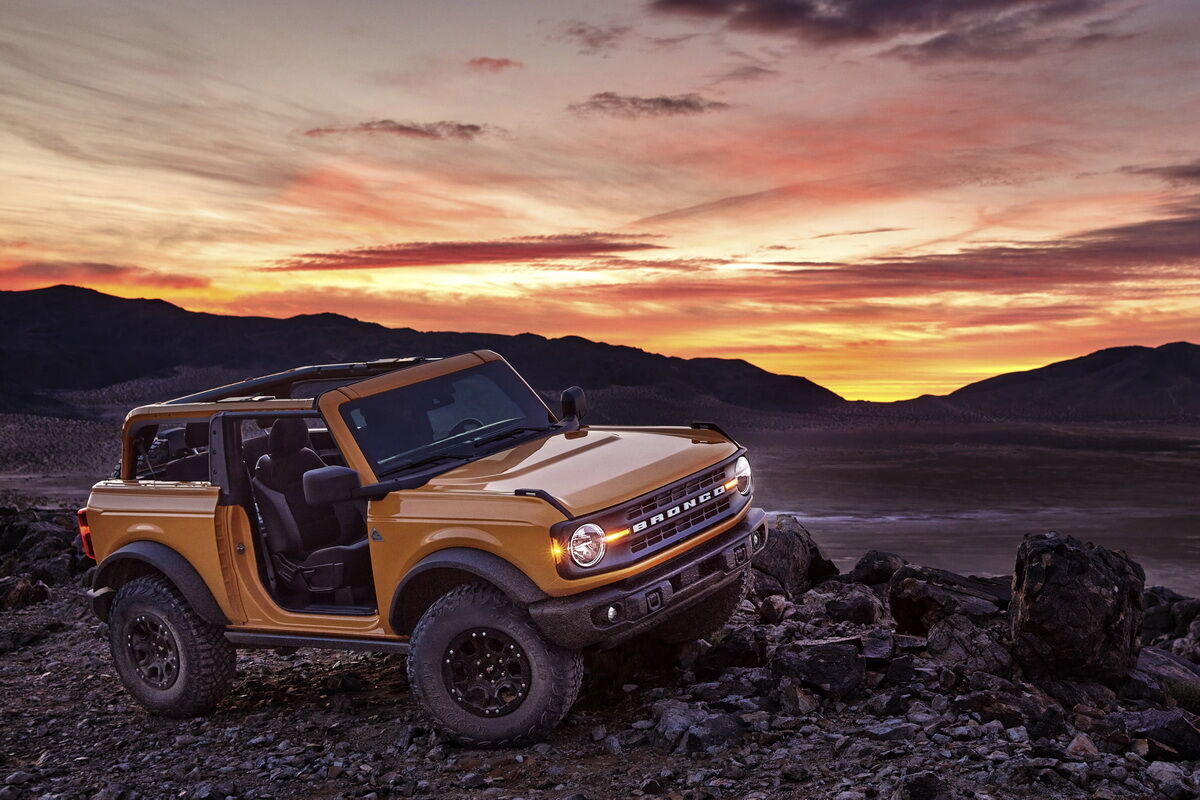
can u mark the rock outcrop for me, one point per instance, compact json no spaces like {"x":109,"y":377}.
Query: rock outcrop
{"x":921,"y":596}
{"x":958,"y":641}
{"x":1076,"y":609}
{"x":43,"y":544}
{"x":835,"y":667}
{"x":791,"y":562}
{"x":18,"y":591}
{"x":845,"y":688}
{"x":876,"y":567}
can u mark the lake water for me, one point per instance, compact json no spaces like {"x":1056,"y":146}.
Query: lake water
{"x":962,"y":497}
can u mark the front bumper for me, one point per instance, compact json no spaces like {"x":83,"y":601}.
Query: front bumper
{"x":647,"y":600}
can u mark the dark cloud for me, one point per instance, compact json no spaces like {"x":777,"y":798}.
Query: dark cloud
{"x":671,"y":41}
{"x":413,"y":130}
{"x":488,"y":64}
{"x":98,"y":272}
{"x":1175,"y":174}
{"x":746,"y":74}
{"x":958,"y":29}
{"x":624,"y":105}
{"x":498,"y":251}
{"x":594,"y":39}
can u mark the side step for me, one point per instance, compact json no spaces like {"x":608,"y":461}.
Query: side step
{"x":269,"y":640}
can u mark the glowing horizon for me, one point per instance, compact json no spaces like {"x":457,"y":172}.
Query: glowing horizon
{"x":887,"y":199}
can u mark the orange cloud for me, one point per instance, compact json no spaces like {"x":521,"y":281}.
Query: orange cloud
{"x":41,"y":273}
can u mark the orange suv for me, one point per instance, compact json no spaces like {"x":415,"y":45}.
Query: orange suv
{"x":432,"y":507}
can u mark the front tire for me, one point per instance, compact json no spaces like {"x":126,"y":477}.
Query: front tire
{"x":173,"y":662}
{"x":483,"y":672}
{"x":706,"y":617}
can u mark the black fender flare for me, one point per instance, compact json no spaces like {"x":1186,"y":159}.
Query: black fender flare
{"x":160,"y":558}
{"x":485,"y":566}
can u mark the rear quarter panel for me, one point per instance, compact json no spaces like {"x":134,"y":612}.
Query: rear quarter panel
{"x":180,"y":515}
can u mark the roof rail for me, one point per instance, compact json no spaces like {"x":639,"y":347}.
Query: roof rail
{"x":255,"y":387}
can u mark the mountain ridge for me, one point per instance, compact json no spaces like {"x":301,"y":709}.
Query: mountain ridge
{"x":68,"y":339}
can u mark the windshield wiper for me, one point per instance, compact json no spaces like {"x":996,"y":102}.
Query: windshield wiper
{"x":513,"y":432}
{"x":427,"y":461}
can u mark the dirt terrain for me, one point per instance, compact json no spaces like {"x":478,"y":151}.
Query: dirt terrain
{"x":812,"y":690}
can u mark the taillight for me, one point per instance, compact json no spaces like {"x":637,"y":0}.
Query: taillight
{"x":85,"y":534}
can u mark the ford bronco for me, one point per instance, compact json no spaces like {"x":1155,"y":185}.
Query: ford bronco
{"x":436,"y":508}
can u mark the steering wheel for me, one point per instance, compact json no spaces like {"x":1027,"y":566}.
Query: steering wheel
{"x":468,"y":424}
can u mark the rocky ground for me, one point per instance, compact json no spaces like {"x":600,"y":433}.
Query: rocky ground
{"x":895,"y":681}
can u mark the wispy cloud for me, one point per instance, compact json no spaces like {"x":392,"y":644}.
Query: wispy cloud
{"x":493,"y":65}
{"x":92,"y":272}
{"x":412,"y":130}
{"x":746,"y":73}
{"x":593,"y":39}
{"x":858,"y":233}
{"x":498,"y":251}
{"x":629,"y":106}
{"x":1175,"y":174}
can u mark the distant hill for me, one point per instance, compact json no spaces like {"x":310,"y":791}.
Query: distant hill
{"x":63,"y":339}
{"x":70,"y":351}
{"x":1117,"y":383}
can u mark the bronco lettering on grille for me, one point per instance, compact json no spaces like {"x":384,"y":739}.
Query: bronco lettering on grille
{"x":663,"y":516}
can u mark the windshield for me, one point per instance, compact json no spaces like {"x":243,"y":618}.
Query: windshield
{"x":448,"y":417}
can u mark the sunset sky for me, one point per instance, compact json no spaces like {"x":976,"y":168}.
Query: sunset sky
{"x":889,"y":197}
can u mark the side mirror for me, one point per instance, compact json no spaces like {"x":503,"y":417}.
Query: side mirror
{"x":328,"y":485}
{"x":574,"y":404}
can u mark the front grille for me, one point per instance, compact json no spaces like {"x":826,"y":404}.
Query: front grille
{"x":713,"y":476}
{"x":680,"y":523}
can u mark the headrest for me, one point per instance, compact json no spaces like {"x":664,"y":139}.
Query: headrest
{"x":145,"y":435}
{"x":289,"y":435}
{"x":195,"y":434}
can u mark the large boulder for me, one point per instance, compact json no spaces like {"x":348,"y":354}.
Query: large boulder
{"x":791,"y":562}
{"x":682,"y":728}
{"x":850,"y":602}
{"x":1160,"y":673}
{"x":43,"y":544}
{"x":1015,"y":705}
{"x":833,"y":666}
{"x":1167,"y":614}
{"x":958,"y":641}
{"x":921,"y":596}
{"x":1188,"y":644}
{"x":18,"y":591}
{"x":1076,"y":609}
{"x":1172,"y":733}
{"x":876,"y":567}
{"x":742,"y":646}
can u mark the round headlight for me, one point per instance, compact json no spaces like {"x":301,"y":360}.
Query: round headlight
{"x":587,"y":545}
{"x":741,"y":471}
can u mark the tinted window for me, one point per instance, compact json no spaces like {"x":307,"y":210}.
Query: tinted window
{"x":443,"y":415}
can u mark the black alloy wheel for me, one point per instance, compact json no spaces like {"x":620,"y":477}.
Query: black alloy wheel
{"x":486,"y":672}
{"x":170,"y":659}
{"x":153,"y":649}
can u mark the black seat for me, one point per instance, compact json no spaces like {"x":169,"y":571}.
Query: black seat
{"x":314,"y":548}
{"x":193,"y":467}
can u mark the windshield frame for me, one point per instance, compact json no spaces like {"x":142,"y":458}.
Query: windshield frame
{"x":539,"y":420}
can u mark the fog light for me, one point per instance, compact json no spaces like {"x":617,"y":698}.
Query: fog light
{"x":755,"y":540}
{"x":612,"y":613}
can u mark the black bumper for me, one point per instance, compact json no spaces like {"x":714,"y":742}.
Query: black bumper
{"x":647,"y":600}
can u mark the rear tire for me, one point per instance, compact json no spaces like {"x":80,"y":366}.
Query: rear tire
{"x":173,"y":662}
{"x":706,"y":617}
{"x":483,"y":672}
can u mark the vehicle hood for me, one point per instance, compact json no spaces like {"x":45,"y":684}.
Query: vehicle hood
{"x":593,"y":468}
